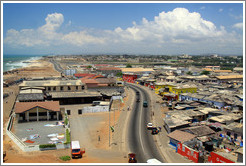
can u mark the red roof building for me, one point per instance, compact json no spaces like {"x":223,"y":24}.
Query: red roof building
{"x":35,"y":111}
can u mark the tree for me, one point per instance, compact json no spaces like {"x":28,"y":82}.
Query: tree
{"x":119,"y":74}
{"x":189,"y":73}
{"x":204,"y":72}
{"x":128,"y":65}
{"x":88,"y":67}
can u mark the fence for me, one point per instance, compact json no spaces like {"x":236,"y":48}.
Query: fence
{"x":95,"y":109}
{"x":21,"y":145}
{"x":16,"y":140}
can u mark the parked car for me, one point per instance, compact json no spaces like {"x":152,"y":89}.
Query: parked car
{"x":149,"y":126}
{"x":155,"y":130}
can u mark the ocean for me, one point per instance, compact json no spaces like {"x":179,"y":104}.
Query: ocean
{"x":11,"y":62}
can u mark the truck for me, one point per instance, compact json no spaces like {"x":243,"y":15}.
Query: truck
{"x":76,"y":151}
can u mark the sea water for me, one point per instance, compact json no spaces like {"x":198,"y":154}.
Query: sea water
{"x":11,"y":62}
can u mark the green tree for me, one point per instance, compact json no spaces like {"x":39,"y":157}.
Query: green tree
{"x":128,"y":65}
{"x":119,"y":74}
{"x":204,"y":72}
{"x":189,"y":73}
{"x":88,"y":67}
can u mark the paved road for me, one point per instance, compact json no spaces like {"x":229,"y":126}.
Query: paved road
{"x":140,"y":139}
{"x":57,"y":66}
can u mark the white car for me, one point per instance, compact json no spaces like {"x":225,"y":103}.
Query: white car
{"x":153,"y":161}
{"x":149,"y":126}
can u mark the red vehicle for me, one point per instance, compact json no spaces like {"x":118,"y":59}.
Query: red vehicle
{"x":132,"y":158}
{"x":76,"y":151}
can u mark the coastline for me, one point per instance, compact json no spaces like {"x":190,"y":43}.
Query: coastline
{"x":36,"y":68}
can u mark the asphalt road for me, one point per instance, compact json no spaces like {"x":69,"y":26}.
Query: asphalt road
{"x":57,"y":66}
{"x":141,"y":140}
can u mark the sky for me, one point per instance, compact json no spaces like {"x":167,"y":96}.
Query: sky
{"x":122,"y":28}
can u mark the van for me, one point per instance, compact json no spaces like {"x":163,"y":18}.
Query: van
{"x":76,"y":150}
{"x":145,"y":104}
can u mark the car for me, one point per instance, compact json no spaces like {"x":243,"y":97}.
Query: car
{"x":149,"y":126}
{"x":155,"y":130}
{"x":132,"y":158}
{"x":138,"y":100}
{"x":145,"y":104}
{"x":137,"y":93}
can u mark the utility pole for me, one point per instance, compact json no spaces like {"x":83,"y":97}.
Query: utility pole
{"x":109,"y":126}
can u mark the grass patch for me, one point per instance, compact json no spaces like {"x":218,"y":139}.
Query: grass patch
{"x":65,"y":158}
{"x":66,"y":120}
{"x":68,"y":140}
{"x":47,"y":146}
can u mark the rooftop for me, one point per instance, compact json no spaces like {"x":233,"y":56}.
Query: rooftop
{"x":74,"y":94}
{"x":21,"y":107}
{"x":199,"y":130}
{"x":181,"y":136}
{"x":50,"y":83}
{"x":236,"y":127}
{"x":137,"y":69}
{"x":110,"y":68}
{"x":230,"y":77}
{"x":173,"y":122}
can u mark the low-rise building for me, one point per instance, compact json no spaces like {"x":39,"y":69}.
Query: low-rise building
{"x":36,"y":111}
{"x":112,"y":71}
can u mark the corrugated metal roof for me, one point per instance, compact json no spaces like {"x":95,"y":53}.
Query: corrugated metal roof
{"x":74,"y":94}
{"x":181,"y":136}
{"x":51,"y":83}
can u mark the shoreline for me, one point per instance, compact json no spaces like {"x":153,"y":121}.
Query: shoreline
{"x":28,"y":63}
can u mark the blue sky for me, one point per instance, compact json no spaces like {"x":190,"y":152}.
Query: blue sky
{"x":161,"y":28}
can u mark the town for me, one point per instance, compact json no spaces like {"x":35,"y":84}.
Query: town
{"x":126,"y":108}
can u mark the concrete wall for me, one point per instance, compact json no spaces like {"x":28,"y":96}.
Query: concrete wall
{"x":95,"y":109}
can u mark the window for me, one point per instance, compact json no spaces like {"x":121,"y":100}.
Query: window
{"x":68,"y":112}
{"x":228,"y":133}
{"x":68,"y":88}
{"x":49,"y":88}
{"x":77,"y":88}
{"x":82,"y":87}
{"x":61,"y":88}
{"x":54,"y":88}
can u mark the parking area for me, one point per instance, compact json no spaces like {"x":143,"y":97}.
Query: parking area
{"x":42,"y":132}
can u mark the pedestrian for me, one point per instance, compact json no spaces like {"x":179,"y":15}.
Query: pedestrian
{"x":128,"y":108}
{"x":159,"y":128}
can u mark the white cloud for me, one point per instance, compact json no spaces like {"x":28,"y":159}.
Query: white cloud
{"x":177,"y":30}
{"x":203,"y":7}
{"x":236,"y":17}
{"x":238,"y":25}
{"x":220,"y":10}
